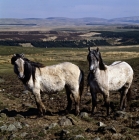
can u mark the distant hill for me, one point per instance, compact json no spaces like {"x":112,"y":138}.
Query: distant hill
{"x":58,"y":21}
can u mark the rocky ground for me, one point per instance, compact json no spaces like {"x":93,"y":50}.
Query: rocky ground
{"x":19,"y":117}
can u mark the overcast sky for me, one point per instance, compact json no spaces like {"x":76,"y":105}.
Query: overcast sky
{"x":68,"y":8}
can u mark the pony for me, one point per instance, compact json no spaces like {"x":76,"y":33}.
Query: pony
{"x":38,"y":78}
{"x":103,"y":79}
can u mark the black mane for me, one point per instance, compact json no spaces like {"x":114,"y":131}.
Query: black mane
{"x":29,"y":67}
{"x":101,"y":64}
{"x":34,"y":64}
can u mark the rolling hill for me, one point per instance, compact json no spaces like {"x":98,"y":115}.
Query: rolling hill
{"x":58,"y":21}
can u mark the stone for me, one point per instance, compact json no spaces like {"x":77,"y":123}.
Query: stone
{"x":101,"y":124}
{"x":74,"y":122}
{"x":88,"y":94}
{"x":52,"y":125}
{"x":137,"y":122}
{"x":19,"y":117}
{"x":12,"y":119}
{"x":96,"y":138}
{"x":84,"y":115}
{"x":135,"y":90}
{"x":17,"y":125}
{"x":3,"y":115}
{"x":78,"y":137}
{"x":117,"y":136}
{"x":11,"y":127}
{"x":3,"y":128}
{"x":65,"y":121}
{"x":123,"y":114}
{"x":23,"y":134}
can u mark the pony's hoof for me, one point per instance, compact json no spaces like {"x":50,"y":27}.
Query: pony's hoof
{"x":123,"y":109}
{"x":77,"y":113}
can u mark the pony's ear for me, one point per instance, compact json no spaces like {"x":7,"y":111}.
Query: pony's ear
{"x":89,"y":49}
{"x":22,"y":55}
{"x":97,"y":49}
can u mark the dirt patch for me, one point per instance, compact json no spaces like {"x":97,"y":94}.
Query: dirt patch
{"x":90,"y":34}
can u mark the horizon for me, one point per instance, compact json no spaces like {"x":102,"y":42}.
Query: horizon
{"x":71,"y":18}
{"x":107,"y":9}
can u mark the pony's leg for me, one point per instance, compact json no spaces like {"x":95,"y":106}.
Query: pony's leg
{"x":107,"y":102}
{"x":94,"y":101}
{"x":69,"y":105}
{"x":123,"y":98}
{"x":124,"y":104}
{"x":39,"y":103}
{"x":76,"y":97}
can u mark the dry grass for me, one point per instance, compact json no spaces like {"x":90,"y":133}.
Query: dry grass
{"x":58,"y":55}
{"x":120,"y":55}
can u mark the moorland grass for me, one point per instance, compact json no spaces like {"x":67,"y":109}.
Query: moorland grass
{"x":50,"y":56}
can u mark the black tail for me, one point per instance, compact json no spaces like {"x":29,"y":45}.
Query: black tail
{"x":129,"y":95}
{"x":81,"y":86}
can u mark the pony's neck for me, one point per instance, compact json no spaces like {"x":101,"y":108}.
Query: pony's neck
{"x":101,"y":76}
{"x":29,"y":71}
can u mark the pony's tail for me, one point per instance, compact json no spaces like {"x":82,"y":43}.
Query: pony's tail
{"x":129,"y":95}
{"x":81,"y":86}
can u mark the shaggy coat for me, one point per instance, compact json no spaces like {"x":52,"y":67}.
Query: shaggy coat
{"x":102,"y":78}
{"x":50,"y":79}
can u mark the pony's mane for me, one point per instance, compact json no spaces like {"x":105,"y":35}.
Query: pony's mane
{"x":30,"y":68}
{"x":35,"y":64}
{"x":101,"y":63}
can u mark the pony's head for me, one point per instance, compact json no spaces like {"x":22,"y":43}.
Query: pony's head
{"x":18,"y":61}
{"x":95,"y":60}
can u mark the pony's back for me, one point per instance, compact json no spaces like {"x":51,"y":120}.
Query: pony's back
{"x":119,"y":74}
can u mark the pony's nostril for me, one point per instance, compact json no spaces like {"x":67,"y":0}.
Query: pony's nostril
{"x":21,"y":76}
{"x":91,"y":67}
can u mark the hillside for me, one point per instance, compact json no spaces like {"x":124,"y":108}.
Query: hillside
{"x":69,"y":32}
{"x":58,"y":21}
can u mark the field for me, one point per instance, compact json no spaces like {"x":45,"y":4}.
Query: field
{"x":67,"y":37}
{"x":18,"y":117}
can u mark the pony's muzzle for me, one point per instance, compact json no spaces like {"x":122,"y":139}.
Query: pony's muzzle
{"x":21,"y":76}
{"x":91,"y":68}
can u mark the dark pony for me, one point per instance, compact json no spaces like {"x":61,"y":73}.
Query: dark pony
{"x":102,"y":78}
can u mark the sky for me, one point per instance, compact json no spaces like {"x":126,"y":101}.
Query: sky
{"x":107,"y":9}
